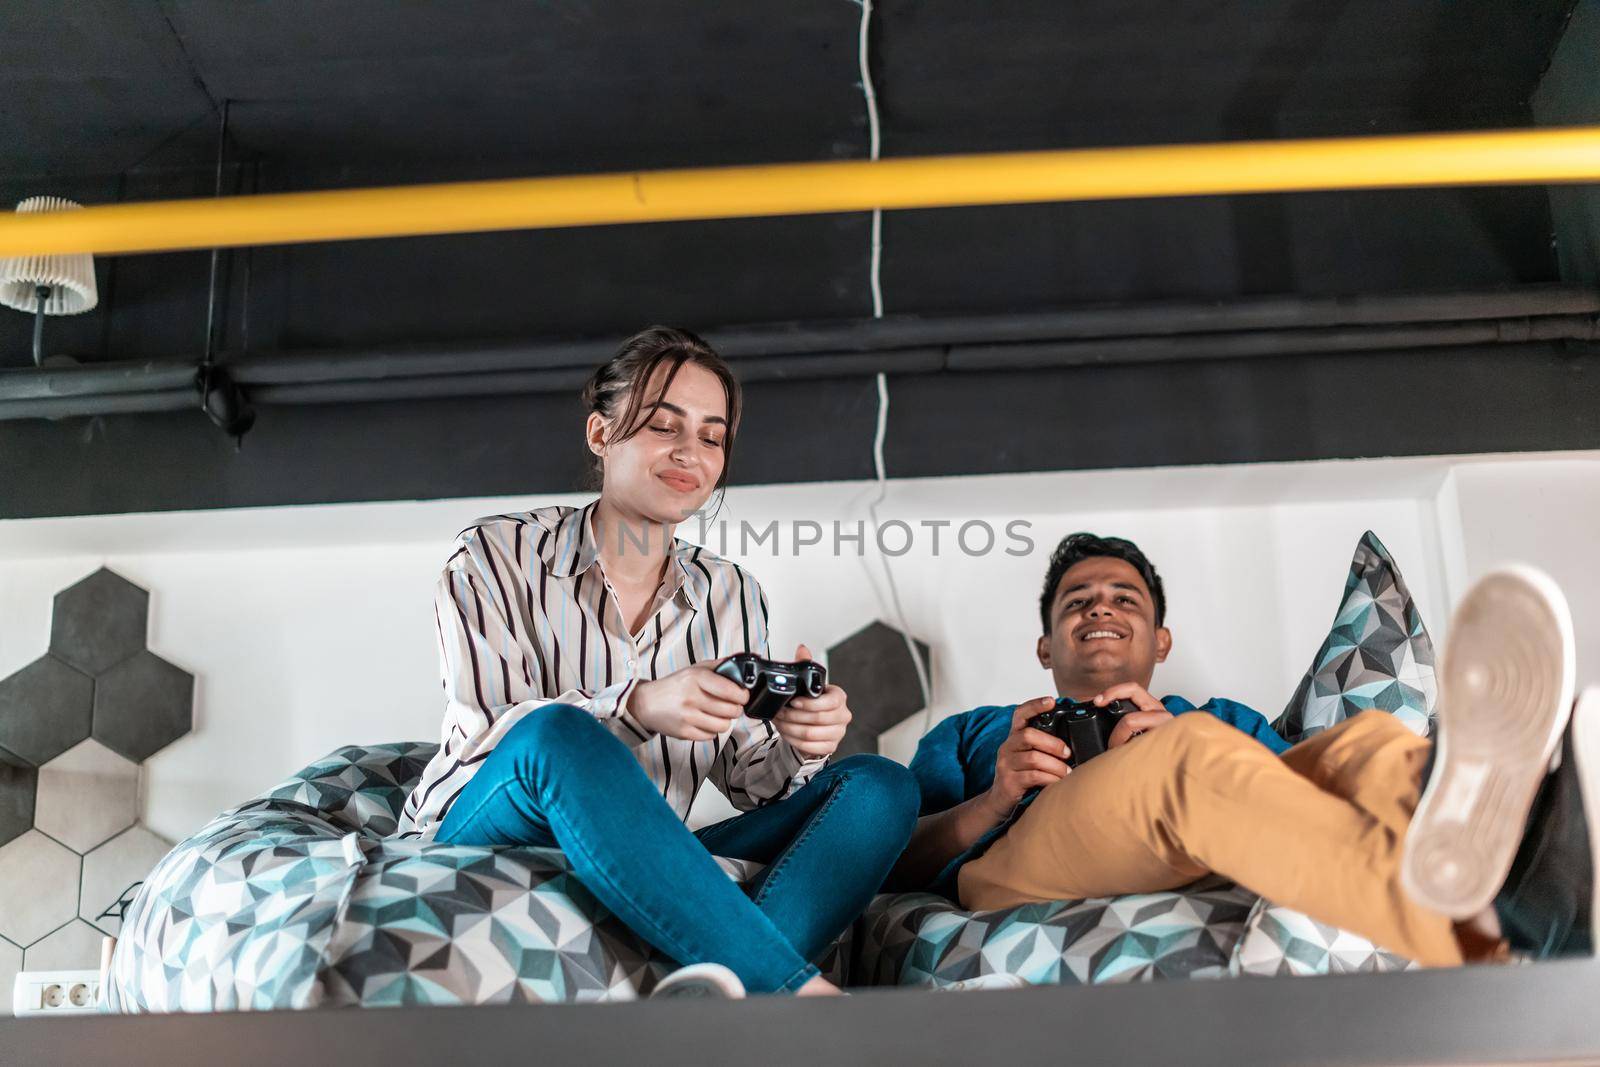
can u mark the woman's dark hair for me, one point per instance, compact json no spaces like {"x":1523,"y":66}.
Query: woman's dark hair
{"x":615,"y":390}
{"x":1075,"y":548}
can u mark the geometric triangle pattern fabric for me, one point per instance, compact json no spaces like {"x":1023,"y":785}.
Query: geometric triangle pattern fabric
{"x":301,"y":899}
{"x":1210,"y":929}
{"x":920,"y":939}
{"x":237,"y":917}
{"x":1282,"y":941}
{"x":1377,"y":655}
{"x":298,"y":899}
{"x":491,"y":927}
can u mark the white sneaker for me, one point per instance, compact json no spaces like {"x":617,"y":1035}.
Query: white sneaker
{"x":700,"y":980}
{"x":984,"y":981}
{"x":1505,"y":695}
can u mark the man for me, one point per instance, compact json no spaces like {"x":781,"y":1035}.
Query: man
{"x":1435,"y":851}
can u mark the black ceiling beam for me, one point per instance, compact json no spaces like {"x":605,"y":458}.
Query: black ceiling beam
{"x":904,"y":345}
{"x":1540,"y":396}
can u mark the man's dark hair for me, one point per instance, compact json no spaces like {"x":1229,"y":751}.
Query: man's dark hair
{"x":1075,"y":548}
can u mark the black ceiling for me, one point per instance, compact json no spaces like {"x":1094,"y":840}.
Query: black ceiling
{"x":111,"y":99}
{"x":115,"y":99}
{"x":103,"y":86}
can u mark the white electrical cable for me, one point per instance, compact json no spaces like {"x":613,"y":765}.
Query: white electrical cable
{"x":874,"y":144}
{"x":874,"y":139}
{"x":888,"y":572}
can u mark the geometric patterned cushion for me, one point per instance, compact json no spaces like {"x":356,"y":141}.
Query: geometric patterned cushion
{"x":299,"y":899}
{"x":920,"y":939}
{"x":360,"y":788}
{"x":1378,"y":654}
{"x":237,"y":917}
{"x":1279,"y":940}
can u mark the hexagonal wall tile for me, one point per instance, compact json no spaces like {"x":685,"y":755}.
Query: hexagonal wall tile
{"x":142,"y":705}
{"x":112,"y":872}
{"x":875,"y":668}
{"x":10,"y":964}
{"x":38,"y":887}
{"x":45,"y":709}
{"x":19,"y":783}
{"x":74,"y":947}
{"x":99,"y":621}
{"x":86,"y":795}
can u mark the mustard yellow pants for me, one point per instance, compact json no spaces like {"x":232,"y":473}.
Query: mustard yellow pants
{"x":1318,"y":829}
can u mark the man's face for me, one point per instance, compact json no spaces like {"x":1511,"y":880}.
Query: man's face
{"x":1102,"y":629}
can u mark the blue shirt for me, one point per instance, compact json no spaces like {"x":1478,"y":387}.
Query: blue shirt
{"x":955,"y":762}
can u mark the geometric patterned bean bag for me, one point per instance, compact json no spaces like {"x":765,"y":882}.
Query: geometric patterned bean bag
{"x":1211,"y":929}
{"x":1279,"y":940}
{"x":301,"y":899}
{"x":1207,"y":930}
{"x":921,"y":939}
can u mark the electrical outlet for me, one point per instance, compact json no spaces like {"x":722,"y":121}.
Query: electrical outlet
{"x":56,"y":993}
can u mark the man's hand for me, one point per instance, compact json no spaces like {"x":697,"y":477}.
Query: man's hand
{"x":694,"y":704}
{"x":814,"y":726}
{"x":1150,"y":714}
{"x":1027,"y":759}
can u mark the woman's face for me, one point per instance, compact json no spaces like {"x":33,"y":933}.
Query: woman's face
{"x":667,"y":470}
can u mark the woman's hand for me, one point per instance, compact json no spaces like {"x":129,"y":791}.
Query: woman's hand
{"x":814,"y":726}
{"x":694,"y":704}
{"x":1027,"y":759}
{"x":1149,"y":715}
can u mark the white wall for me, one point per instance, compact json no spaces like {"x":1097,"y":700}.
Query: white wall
{"x":1547,"y":514}
{"x":311,"y":627}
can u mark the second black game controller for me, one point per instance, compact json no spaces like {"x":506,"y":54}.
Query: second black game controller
{"x":1084,"y":727}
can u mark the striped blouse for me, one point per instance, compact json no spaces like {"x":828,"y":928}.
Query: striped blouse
{"x":526,"y":618}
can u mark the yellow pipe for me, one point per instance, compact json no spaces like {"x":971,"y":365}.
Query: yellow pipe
{"x":1506,"y":157}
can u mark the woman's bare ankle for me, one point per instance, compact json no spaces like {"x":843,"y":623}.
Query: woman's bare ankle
{"x":819,"y":987}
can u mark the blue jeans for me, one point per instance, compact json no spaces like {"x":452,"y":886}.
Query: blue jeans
{"x":558,"y":778}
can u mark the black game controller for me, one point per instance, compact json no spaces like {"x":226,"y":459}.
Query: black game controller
{"x":1085,"y":728}
{"x":773,"y":684}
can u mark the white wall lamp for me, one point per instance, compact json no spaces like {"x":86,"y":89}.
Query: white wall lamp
{"x":48,"y":285}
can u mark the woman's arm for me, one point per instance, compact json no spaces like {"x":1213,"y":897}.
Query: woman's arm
{"x":755,"y":765}
{"x":490,"y":666}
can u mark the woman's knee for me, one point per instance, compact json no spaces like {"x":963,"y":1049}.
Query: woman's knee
{"x":880,"y":784}
{"x":552,"y":729}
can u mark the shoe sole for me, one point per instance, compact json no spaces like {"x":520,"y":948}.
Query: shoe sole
{"x":1586,"y":754}
{"x":1505,"y":694}
{"x":987,"y":983}
{"x":700,"y":981}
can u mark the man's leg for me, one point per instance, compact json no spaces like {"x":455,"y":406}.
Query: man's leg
{"x":827,"y":848}
{"x":1371,"y":760}
{"x":1376,"y":763}
{"x":558,"y":777}
{"x":1196,"y":796}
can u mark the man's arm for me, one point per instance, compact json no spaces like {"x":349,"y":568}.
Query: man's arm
{"x":1028,"y":759}
{"x":940,"y":838}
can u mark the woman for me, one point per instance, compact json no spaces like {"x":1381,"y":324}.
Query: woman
{"x":577,"y":647}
